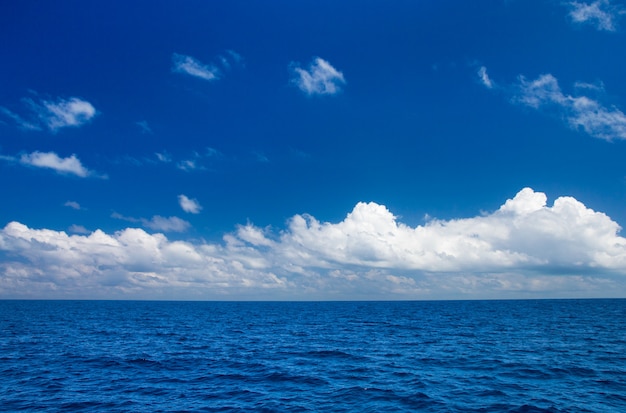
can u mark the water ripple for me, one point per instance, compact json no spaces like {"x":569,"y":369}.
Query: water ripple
{"x":517,"y":356}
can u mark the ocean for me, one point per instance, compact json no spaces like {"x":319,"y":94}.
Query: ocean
{"x":437,"y":356}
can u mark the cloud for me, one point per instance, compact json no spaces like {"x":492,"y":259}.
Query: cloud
{"x":320,"y":79}
{"x":601,"y":13}
{"x":65,"y":113}
{"x":163,"y":157}
{"x":484,"y":77}
{"x":191,"y":66}
{"x":189,"y":205}
{"x":70,"y":165}
{"x":145,"y":128}
{"x":78,"y":229}
{"x":73,"y":205}
{"x":22,"y":123}
{"x":157,"y":222}
{"x":580,"y":112}
{"x":53,"y":115}
{"x":525,"y":248}
{"x":166,"y":224}
{"x":187,"y":165}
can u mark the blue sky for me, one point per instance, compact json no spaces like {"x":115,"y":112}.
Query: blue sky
{"x":313,"y":150}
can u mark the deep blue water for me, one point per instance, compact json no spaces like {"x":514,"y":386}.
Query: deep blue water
{"x":461,"y":356}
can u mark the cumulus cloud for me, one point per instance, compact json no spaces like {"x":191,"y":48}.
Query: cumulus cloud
{"x":53,"y":114}
{"x":600,"y":13}
{"x":189,"y":205}
{"x":50,"y":160}
{"x":320,"y":79}
{"x":524,"y":248}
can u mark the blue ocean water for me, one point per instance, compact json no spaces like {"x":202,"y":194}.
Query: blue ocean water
{"x":448,"y":356}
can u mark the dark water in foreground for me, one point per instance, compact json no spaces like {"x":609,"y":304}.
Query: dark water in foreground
{"x":473,"y":356}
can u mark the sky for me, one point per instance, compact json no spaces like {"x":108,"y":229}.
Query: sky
{"x":312,"y":150}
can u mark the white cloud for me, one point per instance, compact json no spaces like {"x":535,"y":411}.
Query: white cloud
{"x":320,"y":79}
{"x":581,"y":112}
{"x":523,"y":249}
{"x":189,"y":205}
{"x":54,"y":115}
{"x":78,"y":229}
{"x":187,"y":165}
{"x":193,"y":67}
{"x":164,"y":157}
{"x":64,"y":113}
{"x":22,"y":123}
{"x":157,"y":222}
{"x":600,"y":13}
{"x":72,"y":204}
{"x":484,"y":77}
{"x":50,"y":160}
{"x":166,"y":224}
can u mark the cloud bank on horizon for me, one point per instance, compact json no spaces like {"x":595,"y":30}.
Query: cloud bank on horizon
{"x":522,"y":247}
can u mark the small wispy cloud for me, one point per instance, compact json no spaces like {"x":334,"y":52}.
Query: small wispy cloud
{"x":187,"y":165}
{"x":72,"y":204}
{"x":52,"y":114}
{"x":157,"y":222}
{"x":213,"y":153}
{"x":230,"y":59}
{"x":166,"y":224}
{"x":192,"y":67}
{"x":163,"y":157}
{"x":50,"y":160}
{"x":211,"y":71}
{"x":143,"y":125}
{"x":321,"y":78}
{"x":484,"y":77}
{"x":189,"y":205}
{"x":21,"y":122}
{"x":581,"y":112}
{"x":600,"y":13}
{"x":78,"y":229}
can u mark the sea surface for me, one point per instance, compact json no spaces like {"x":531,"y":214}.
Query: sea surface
{"x":442,"y":356}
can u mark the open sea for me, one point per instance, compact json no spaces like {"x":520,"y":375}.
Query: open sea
{"x":439,"y":356}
